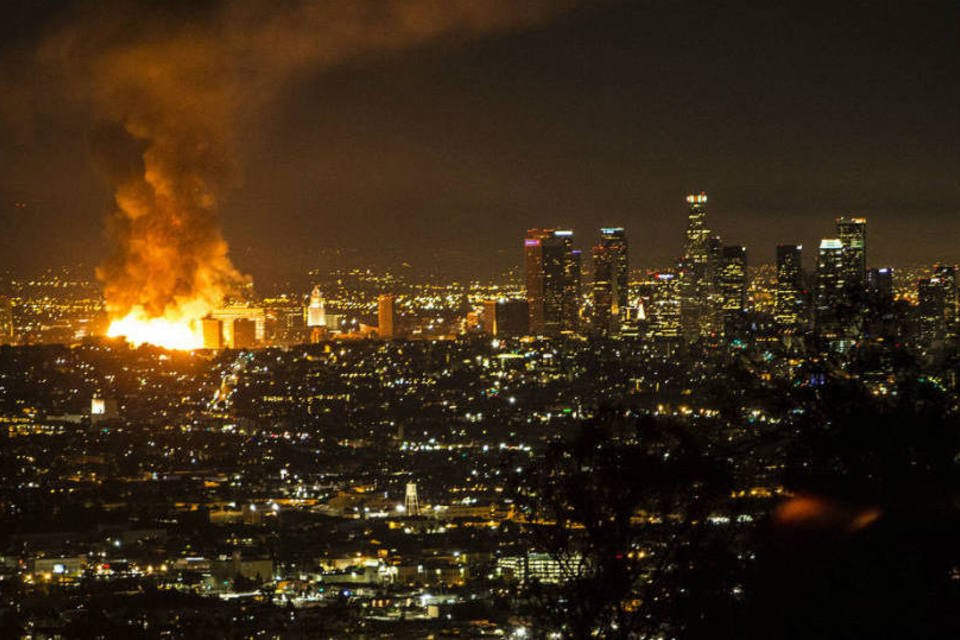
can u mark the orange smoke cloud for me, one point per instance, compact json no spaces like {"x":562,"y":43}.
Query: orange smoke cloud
{"x":179,"y":86}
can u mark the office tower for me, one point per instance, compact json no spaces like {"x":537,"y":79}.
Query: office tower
{"x":316,"y":310}
{"x":506,"y":317}
{"x":831,"y":287}
{"x":212,"y":332}
{"x":7,"y":333}
{"x":931,"y":310}
{"x":664,"y":307}
{"x":610,"y":280}
{"x":571,"y":291}
{"x":552,"y":270}
{"x":852,"y":233}
{"x":880,"y":317}
{"x":711,"y":314}
{"x":244,"y":335}
{"x":732,"y":285}
{"x":694,"y":267}
{"x":386,"y":316}
{"x":789,"y":304}
{"x":880,"y":286}
{"x":732,"y":278}
{"x":946,"y":274}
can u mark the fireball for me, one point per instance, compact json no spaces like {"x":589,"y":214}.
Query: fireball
{"x":170,"y":333}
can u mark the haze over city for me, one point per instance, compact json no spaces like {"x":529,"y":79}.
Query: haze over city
{"x":440,"y":151}
{"x":415,"y":319}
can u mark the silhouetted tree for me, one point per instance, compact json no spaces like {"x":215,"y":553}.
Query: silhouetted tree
{"x":621,"y":506}
{"x":868,"y":547}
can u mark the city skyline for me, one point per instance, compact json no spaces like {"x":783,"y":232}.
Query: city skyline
{"x":545,"y":319}
{"x":779,"y":142}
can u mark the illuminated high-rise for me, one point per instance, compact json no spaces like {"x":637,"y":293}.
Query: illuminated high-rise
{"x":937,"y":305}
{"x":931,"y":310}
{"x":852,"y":233}
{"x":831,"y":288}
{"x":552,"y":274}
{"x":663,"y":308}
{"x":610,"y":280}
{"x":789,"y":305}
{"x":946,"y":274}
{"x":695,"y":283}
{"x":731,"y":281}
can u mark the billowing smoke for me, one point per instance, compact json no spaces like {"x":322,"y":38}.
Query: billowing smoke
{"x":174,"y":84}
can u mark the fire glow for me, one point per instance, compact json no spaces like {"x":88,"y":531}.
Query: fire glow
{"x":169,"y":107}
{"x":170,"y":333}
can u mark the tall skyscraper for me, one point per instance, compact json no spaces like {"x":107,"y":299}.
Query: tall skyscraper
{"x":664,"y":307}
{"x":831,"y":287}
{"x":880,"y":317}
{"x":732,"y":285}
{"x":694,"y":281}
{"x":789,"y":309}
{"x":386,"y":316}
{"x":610,"y":280}
{"x":552,"y":270}
{"x":852,"y":233}
{"x":316,"y":310}
{"x":931,"y":310}
{"x":571,"y":291}
{"x":946,"y":274}
{"x":880,"y":286}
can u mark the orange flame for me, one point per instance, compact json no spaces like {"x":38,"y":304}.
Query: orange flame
{"x":137,"y":327}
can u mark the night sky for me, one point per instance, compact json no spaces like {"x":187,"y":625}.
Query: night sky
{"x":442,"y":153}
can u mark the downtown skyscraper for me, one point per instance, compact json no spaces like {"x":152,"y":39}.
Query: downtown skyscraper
{"x":841,"y":284}
{"x":852,"y":233}
{"x":731,"y":279}
{"x":610,"y":280}
{"x":789,"y":303}
{"x":831,"y":288}
{"x":552,"y":275}
{"x":695,"y":280}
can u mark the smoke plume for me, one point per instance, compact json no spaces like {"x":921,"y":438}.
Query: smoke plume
{"x":175,"y":83}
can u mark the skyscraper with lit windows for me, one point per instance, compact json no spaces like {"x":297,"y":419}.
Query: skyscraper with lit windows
{"x":852,"y":233}
{"x":663,"y":307}
{"x":610,"y":280}
{"x":931,"y":310}
{"x":946,"y":274}
{"x":732,"y":285}
{"x":695,"y":283}
{"x":831,"y":288}
{"x":789,"y":304}
{"x":552,"y":275}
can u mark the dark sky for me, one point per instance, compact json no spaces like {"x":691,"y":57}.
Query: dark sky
{"x":786,"y":113}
